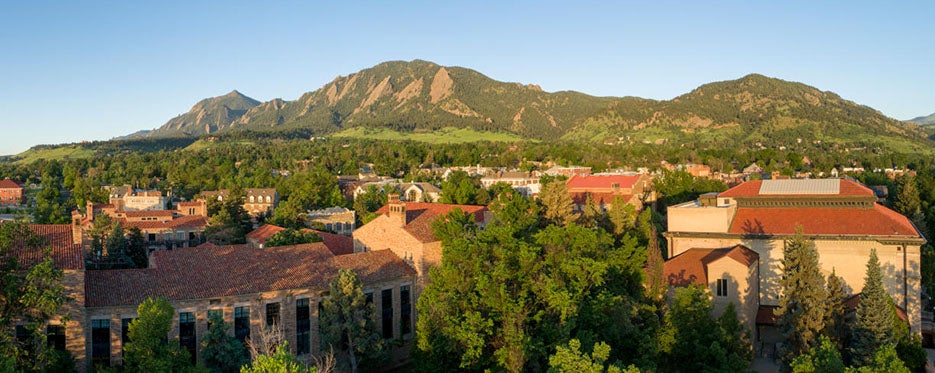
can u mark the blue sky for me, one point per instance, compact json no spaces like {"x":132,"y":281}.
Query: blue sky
{"x":73,"y":71}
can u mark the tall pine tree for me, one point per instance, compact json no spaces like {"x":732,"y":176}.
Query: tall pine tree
{"x":835,"y":322}
{"x":874,"y":325}
{"x":803,"y":303}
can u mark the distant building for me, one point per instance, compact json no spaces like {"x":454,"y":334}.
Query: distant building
{"x":409,"y":192}
{"x":526,"y":183}
{"x":634,"y":189}
{"x":568,"y":171}
{"x":256,"y":201}
{"x":338,"y":220}
{"x":128,"y":198}
{"x":11,"y":192}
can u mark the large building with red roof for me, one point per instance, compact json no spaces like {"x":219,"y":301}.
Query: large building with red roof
{"x":756,"y":218}
{"x":405,"y":228}
{"x":251,"y":288}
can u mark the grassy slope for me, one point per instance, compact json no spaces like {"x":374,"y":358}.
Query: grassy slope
{"x":57,"y":153}
{"x":445,"y":135}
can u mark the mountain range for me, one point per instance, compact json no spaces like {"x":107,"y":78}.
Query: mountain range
{"x":420,"y":96}
{"x":924,"y":121}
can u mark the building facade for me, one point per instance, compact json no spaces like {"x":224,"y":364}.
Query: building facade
{"x":754,"y":221}
{"x":11,"y":193}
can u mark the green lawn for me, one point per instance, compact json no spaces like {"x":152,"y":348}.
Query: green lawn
{"x":57,"y":153}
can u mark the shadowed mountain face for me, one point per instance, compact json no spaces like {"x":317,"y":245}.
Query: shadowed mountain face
{"x":209,"y":115}
{"x":420,"y":96}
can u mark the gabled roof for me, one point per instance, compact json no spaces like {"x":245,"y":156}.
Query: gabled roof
{"x":419,"y":217}
{"x":216,"y":271}
{"x":264,"y":232}
{"x":65,"y":253}
{"x":798,"y":187}
{"x":602,"y":181}
{"x":9,"y":184}
{"x":875,"y":221}
{"x":691,"y":266}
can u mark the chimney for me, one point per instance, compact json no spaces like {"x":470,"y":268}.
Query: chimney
{"x":76,"y":234}
{"x":89,"y":210}
{"x":397,"y":208}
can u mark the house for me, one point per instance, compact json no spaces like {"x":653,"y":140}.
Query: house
{"x":128,"y":198}
{"x":568,"y":171}
{"x":11,"y":192}
{"x":339,"y":220}
{"x":405,"y":228}
{"x":526,"y":183}
{"x":409,"y":192}
{"x":256,"y":201}
{"x":634,"y":189}
{"x":732,"y":242}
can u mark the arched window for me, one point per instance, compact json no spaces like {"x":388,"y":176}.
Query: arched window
{"x":251,"y":199}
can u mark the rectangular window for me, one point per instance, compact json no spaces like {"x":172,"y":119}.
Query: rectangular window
{"x":303,"y":327}
{"x":405,"y":310}
{"x":241,"y":323}
{"x":100,"y":342}
{"x":215,"y":313}
{"x":180,"y":236}
{"x":151,"y":237}
{"x":125,"y":330}
{"x":722,"y":287}
{"x":55,"y":335}
{"x":387,"y":313}
{"x":187,"y":335}
{"x":272,"y":314}
{"x":369,"y":297}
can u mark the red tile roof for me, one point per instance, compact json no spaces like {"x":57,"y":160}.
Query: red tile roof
{"x":186,"y":222}
{"x":149,"y":213}
{"x":65,"y":254}
{"x":876,"y":221}
{"x":419,"y":217}
{"x":691,"y":266}
{"x":263,"y":233}
{"x":212,"y":272}
{"x":338,"y":244}
{"x":601,"y":181}
{"x":9,"y":184}
{"x":189,"y":204}
{"x":752,"y":189}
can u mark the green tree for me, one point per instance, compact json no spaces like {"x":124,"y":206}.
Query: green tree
{"x":873,"y":327}
{"x":33,"y":294}
{"x":460,"y":188}
{"x":692,"y":340}
{"x":570,"y":359}
{"x":908,"y":202}
{"x":835,"y":319}
{"x":291,"y":236}
{"x":148,"y":349}
{"x":137,"y":248}
{"x":885,"y":360}
{"x":229,"y":222}
{"x":366,"y":204}
{"x":621,"y":217}
{"x":803,"y":304}
{"x":221,"y":352}
{"x":281,"y":361}
{"x":348,"y":319}
{"x":823,"y":358}
{"x":50,"y":206}
{"x":557,"y":206}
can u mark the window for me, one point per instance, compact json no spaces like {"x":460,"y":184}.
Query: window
{"x":180,"y":236}
{"x":405,"y":311}
{"x":268,"y":199}
{"x":100,"y":342}
{"x":328,"y":227}
{"x":55,"y":335}
{"x":187,"y":334}
{"x":387,"y":313}
{"x":215,"y":313}
{"x":125,"y":330}
{"x":369,"y":297}
{"x":272,"y":314}
{"x":151,"y":236}
{"x":722,"y":287}
{"x":303,"y":327}
{"x":252,"y":199}
{"x":347,"y":227}
{"x":241,"y":323}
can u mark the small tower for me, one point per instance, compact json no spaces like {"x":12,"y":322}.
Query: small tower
{"x":397,"y":208}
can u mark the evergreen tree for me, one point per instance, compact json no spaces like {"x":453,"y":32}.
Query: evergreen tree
{"x":803,"y":304}
{"x":347,"y":319}
{"x":908,"y":202}
{"x":592,"y":215}
{"x":221,"y":352}
{"x":874,"y":325}
{"x":136,"y":248}
{"x":835,"y":321}
{"x":557,"y":206}
{"x":622,"y":217}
